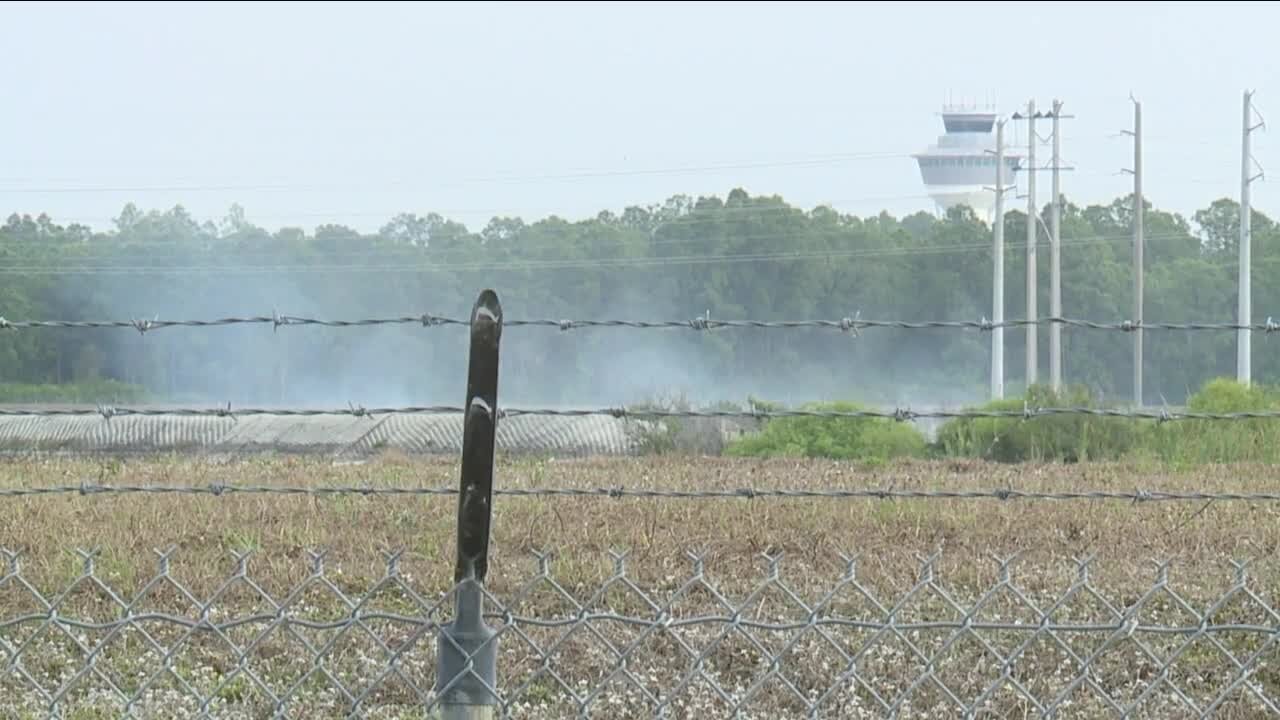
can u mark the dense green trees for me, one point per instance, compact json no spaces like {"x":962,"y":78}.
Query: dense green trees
{"x":737,"y":256}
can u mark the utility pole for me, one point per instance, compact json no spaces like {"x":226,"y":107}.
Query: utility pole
{"x":997,"y":285}
{"x":1033,"y":235}
{"x":1138,"y":208}
{"x":1244,"y":336}
{"x":1055,"y":257}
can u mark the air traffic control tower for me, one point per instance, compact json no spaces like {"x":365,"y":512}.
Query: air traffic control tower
{"x":960,"y":168}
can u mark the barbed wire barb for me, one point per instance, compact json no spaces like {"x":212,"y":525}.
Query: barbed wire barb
{"x":850,"y":325}
{"x":142,"y":325}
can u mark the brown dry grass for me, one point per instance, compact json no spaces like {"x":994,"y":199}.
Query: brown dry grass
{"x":887,"y":536}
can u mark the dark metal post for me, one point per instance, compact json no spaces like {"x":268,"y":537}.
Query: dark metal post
{"x":467,"y":674}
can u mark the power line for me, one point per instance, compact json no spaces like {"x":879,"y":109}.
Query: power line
{"x":831,"y":159}
{"x":84,"y":185}
{"x":689,"y":217}
{"x":393,"y":250}
{"x":655,"y":208}
{"x":535,"y":264}
{"x":693,"y":218}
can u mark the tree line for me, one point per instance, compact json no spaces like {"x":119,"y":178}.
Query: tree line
{"x":737,"y":257}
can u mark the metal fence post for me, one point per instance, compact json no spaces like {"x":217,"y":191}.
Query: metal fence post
{"x":467,"y":673}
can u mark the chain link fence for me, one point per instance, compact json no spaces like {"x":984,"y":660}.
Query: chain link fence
{"x":689,"y":644}
{"x":91,"y":642}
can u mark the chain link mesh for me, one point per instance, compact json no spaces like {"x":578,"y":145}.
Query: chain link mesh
{"x":686,"y":645}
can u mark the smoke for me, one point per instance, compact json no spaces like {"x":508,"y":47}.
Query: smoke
{"x":414,"y":364}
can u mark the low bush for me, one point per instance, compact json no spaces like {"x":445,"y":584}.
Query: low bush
{"x":1195,"y":442}
{"x":1047,"y":438}
{"x":867,"y":439}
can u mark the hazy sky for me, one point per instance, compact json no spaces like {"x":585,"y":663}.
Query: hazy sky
{"x":312,"y":113}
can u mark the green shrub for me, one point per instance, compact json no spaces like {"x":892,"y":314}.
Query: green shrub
{"x":1061,"y":438}
{"x":1193,"y":442}
{"x":873,"y":439}
{"x":1078,"y":438}
{"x":97,"y":391}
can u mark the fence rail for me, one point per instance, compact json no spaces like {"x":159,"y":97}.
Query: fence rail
{"x":773,"y":646}
{"x":846,"y":324}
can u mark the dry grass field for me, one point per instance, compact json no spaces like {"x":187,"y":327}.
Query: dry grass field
{"x":545,"y":670}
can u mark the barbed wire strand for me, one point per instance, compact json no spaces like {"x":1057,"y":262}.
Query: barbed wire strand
{"x":847,"y":324}
{"x":899,"y":414}
{"x":618,"y":492}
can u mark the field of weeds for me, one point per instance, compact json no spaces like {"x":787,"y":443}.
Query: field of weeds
{"x":867,"y":604}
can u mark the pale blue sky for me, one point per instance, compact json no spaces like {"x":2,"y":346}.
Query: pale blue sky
{"x":309,"y":113}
